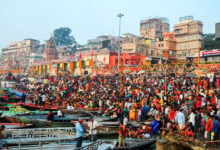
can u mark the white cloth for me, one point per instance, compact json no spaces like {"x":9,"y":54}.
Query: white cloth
{"x":192,"y":118}
{"x":125,"y":121}
{"x":92,"y":126}
{"x":43,"y":98}
{"x":59,"y":113}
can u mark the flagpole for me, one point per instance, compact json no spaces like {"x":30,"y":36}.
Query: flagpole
{"x":198,"y":70}
{"x":119,"y":52}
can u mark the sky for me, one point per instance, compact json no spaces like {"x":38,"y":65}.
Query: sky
{"x":36,"y":19}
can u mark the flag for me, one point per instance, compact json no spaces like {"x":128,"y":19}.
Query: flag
{"x":91,"y":62}
{"x":80,"y":64}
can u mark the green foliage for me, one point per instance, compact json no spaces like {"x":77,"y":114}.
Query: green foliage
{"x":83,"y":64}
{"x":217,"y":43}
{"x":62,"y":36}
{"x":208,"y":42}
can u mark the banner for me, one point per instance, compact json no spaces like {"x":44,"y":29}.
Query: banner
{"x":71,"y":67}
{"x":90,"y":62}
{"x":147,"y":42}
{"x":50,"y":69}
{"x":63,"y":66}
{"x":40,"y":72}
{"x":80,"y":67}
{"x":165,"y":55}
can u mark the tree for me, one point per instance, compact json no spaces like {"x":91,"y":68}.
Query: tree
{"x":217,"y":43}
{"x":208,"y":42}
{"x":62,"y":36}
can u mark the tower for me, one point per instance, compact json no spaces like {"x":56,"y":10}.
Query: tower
{"x":50,"y":52}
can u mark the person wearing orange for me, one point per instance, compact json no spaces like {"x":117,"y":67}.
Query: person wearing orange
{"x":87,"y":87}
{"x":189,"y":133}
{"x":132,"y":114}
{"x":46,"y":103}
{"x":209,"y":127}
{"x":135,"y":105}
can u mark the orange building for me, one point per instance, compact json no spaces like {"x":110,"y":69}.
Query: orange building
{"x":167,"y":47}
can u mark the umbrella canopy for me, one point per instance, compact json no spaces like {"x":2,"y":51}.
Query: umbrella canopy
{"x":31,"y":79}
{"x":44,"y":81}
{"x":192,"y":75}
{"x":135,"y":72}
{"x":108,"y":74}
{"x":23,"y":79}
{"x":140,"y":72}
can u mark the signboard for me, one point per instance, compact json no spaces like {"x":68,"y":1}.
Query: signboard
{"x":211,"y":53}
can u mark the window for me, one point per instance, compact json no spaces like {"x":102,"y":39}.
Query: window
{"x":170,"y":53}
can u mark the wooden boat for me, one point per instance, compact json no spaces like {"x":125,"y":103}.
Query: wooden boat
{"x":16,"y":125}
{"x":139,"y":144}
{"x":43,"y":117}
{"x":4,"y":108}
{"x":34,"y":107}
{"x":13,"y":123}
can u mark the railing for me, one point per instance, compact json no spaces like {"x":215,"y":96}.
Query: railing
{"x":39,"y":132}
{"x":91,"y":146}
{"x":57,"y":146}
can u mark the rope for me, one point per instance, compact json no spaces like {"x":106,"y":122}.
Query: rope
{"x":166,"y":144}
{"x":211,"y":141}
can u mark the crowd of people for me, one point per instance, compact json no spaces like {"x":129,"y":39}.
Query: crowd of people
{"x":178,"y":103}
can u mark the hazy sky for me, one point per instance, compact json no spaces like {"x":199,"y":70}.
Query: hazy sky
{"x":20,"y":19}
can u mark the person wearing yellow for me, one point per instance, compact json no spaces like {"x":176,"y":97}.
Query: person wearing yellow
{"x":132,"y":114}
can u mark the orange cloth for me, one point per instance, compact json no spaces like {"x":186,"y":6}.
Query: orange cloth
{"x":135,"y":105}
{"x":132,"y":114}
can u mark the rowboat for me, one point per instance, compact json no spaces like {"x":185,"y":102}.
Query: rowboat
{"x":14,"y":123}
{"x":139,"y":144}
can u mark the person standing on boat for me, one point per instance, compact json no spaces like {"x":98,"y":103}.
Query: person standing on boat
{"x":121,"y":135}
{"x":93,"y":124}
{"x":79,"y":133}
{"x":23,"y":98}
{"x":2,"y":141}
{"x":43,"y":97}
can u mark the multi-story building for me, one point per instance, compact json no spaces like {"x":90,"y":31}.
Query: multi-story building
{"x":16,"y":55}
{"x":189,"y":36}
{"x":153,"y":28}
{"x":101,"y":42}
{"x":66,"y":51}
{"x":132,"y":44}
{"x":217,"y":30}
{"x":167,"y":46}
{"x":35,"y":58}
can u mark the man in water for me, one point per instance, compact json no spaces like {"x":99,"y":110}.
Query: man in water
{"x":79,"y":133}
